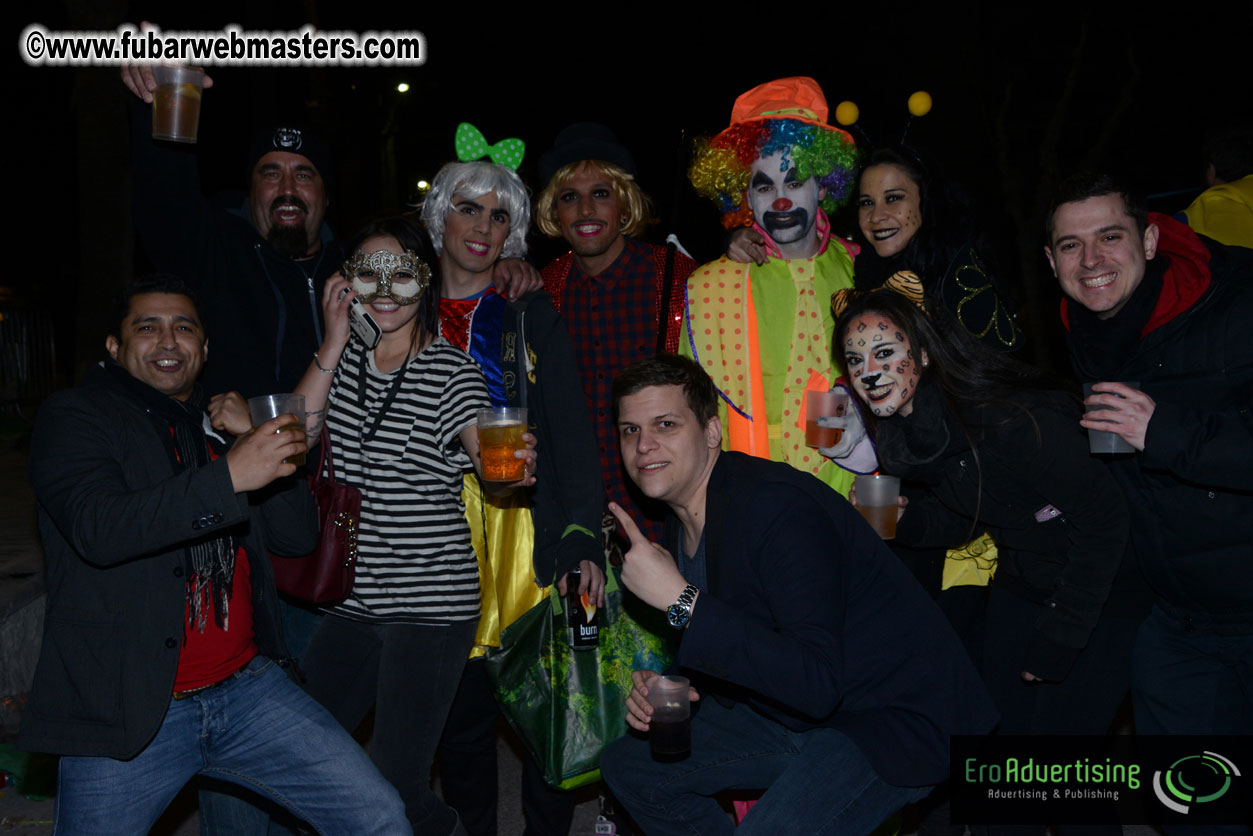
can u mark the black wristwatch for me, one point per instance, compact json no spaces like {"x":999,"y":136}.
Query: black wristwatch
{"x":680,"y":612}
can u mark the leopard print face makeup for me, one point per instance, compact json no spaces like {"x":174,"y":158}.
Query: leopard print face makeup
{"x":881,"y":364}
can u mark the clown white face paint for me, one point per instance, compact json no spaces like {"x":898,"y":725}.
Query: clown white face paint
{"x":882,"y":364}
{"x":785,"y":207}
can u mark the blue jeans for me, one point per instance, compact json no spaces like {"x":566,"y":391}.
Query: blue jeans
{"x":257,"y":730}
{"x":224,"y":813}
{"x":408,"y":673}
{"x":817,"y":781}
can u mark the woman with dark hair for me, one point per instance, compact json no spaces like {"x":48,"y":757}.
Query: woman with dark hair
{"x":911,"y":219}
{"x":402,"y":419}
{"x":992,"y":447}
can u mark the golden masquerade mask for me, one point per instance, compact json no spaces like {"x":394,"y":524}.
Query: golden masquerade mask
{"x":402,"y":277}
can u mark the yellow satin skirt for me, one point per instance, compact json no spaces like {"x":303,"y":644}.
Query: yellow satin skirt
{"x":503,"y":534}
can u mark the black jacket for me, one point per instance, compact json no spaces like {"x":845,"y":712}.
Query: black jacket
{"x":263,"y":310}
{"x":1057,"y":516}
{"x":965,"y":289}
{"x":809,"y":618}
{"x":569,"y":497}
{"x":1190,"y":491}
{"x":114,"y":518}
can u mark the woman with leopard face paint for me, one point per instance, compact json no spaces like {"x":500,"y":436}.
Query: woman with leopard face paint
{"x":983,"y":442}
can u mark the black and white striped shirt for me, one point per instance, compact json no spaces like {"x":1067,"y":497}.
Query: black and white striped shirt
{"x":415,"y":560}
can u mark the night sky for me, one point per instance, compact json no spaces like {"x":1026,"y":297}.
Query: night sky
{"x":1021,"y":98}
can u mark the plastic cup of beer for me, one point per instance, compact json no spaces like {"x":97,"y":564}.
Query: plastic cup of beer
{"x":1103,"y":442}
{"x":876,"y":500}
{"x":670,"y":730}
{"x":500,"y":435}
{"x":824,"y":405}
{"x":265,"y":407}
{"x":176,"y":103}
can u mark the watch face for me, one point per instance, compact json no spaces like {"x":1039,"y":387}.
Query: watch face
{"x":676,"y":615}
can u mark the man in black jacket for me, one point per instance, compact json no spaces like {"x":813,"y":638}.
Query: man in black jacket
{"x":822,"y":672}
{"x":1168,"y":312}
{"x":258,"y":267}
{"x":161,"y":635}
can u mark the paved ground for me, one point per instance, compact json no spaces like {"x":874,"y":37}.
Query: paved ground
{"x":28,"y":818}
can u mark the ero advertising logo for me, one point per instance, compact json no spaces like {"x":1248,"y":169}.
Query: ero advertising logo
{"x":1194,"y":779}
{"x":1160,"y":780}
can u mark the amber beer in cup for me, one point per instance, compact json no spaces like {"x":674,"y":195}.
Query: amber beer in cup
{"x":823,"y":405}
{"x":265,"y":407}
{"x":500,"y":435}
{"x":176,"y":103}
{"x":876,"y":500}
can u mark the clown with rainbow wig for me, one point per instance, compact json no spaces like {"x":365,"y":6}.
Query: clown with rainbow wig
{"x":763,"y":332}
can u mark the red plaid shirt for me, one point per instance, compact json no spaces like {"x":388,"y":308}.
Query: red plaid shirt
{"x":612,"y":319}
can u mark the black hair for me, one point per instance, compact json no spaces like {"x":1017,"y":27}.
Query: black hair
{"x":1231,"y":153}
{"x":943,"y":231}
{"x":150,"y":283}
{"x":1089,"y":184}
{"x":967,"y":374}
{"x":670,"y":370}
{"x":411,"y":236}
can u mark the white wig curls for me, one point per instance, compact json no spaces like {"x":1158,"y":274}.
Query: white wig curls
{"x":473,"y":180}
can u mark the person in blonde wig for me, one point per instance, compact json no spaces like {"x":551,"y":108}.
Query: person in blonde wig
{"x":637,"y":207}
{"x":621,"y":298}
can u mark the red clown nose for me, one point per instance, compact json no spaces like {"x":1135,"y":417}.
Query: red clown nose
{"x":781,"y":205}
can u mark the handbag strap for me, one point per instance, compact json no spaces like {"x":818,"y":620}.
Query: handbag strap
{"x":326,"y":462}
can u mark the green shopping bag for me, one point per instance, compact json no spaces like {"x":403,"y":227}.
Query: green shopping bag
{"x":568,"y":705}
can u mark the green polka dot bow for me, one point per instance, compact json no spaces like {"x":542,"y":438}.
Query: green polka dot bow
{"x":472,"y":146}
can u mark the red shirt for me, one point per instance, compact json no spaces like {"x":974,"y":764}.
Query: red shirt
{"x":211,"y":656}
{"x":218,"y":652}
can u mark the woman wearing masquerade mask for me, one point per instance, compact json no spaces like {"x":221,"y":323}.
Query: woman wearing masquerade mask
{"x":402,"y":416}
{"x":994,"y":448}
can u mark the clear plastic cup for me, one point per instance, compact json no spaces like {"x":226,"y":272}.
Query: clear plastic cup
{"x":876,"y":500}
{"x":824,"y":405}
{"x":264,"y":407}
{"x":670,"y":730}
{"x":176,"y":103}
{"x":500,"y":432}
{"x":1102,"y":442}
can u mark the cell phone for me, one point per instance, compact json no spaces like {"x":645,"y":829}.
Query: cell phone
{"x":363,"y":325}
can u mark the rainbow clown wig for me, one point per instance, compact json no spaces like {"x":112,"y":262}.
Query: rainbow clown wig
{"x":788,"y":115}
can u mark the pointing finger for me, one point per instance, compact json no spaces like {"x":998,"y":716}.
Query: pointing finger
{"x":628,"y":525}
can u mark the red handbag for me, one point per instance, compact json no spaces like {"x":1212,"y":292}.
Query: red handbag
{"x":326,"y":575}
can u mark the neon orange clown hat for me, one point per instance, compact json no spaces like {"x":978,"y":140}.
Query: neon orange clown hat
{"x":798,"y":97}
